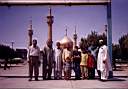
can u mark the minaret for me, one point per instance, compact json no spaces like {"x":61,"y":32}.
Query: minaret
{"x":75,"y":38}
{"x":30,"y":33}
{"x":66,"y":31}
{"x":106,"y":29}
{"x":50,"y":22}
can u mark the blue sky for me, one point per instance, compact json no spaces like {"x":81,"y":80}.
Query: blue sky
{"x":14,"y":22}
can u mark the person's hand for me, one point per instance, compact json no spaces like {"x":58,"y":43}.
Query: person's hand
{"x":104,"y":61}
{"x":67,"y":58}
{"x":28,"y":61}
{"x":77,"y":56}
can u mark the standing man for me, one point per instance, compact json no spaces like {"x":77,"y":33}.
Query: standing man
{"x":58,"y":60}
{"x":34,"y":62}
{"x":103,"y":61}
{"x":48,"y":60}
{"x":76,"y":62}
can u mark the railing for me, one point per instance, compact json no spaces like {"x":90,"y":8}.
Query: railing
{"x":54,"y":2}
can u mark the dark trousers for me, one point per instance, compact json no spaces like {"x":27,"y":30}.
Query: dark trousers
{"x":47,"y":71}
{"x":77,"y":70}
{"x":34,"y":65}
{"x":91,"y":73}
{"x":99,"y":74}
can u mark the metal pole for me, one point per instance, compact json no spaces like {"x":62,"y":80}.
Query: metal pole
{"x":12,"y":43}
{"x":109,"y":34}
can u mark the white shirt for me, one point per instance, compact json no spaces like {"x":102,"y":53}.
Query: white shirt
{"x":34,"y":51}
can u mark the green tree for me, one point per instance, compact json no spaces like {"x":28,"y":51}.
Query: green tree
{"x":116,"y":54}
{"x":116,"y":51}
{"x":92,"y":39}
{"x":123,"y":41}
{"x":6,"y":53}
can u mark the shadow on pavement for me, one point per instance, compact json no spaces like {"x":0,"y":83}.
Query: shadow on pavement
{"x":113,"y":79}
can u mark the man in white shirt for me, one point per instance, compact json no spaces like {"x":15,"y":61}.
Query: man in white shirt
{"x":103,"y":61}
{"x":34,"y":62}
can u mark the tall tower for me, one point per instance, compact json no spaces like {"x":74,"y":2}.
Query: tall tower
{"x":30,"y":33}
{"x":106,"y":26}
{"x":50,"y":22}
{"x":75,"y":38}
{"x":66,"y":31}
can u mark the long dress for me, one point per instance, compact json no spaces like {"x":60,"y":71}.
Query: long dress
{"x":48,"y":61}
{"x":106,"y":66}
{"x":58,"y":66}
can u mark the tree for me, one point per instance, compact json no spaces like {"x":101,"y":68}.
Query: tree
{"x":116,"y":54}
{"x":123,"y":41}
{"x":92,"y":39}
{"x":116,"y":51}
{"x":6,"y":53}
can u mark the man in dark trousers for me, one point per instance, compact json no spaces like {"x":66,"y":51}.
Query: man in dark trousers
{"x":34,"y":62}
{"x":76,"y":62}
{"x":48,"y":60}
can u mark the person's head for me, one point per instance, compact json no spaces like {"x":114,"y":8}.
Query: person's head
{"x":58,"y":44}
{"x":89,"y":52}
{"x":68,"y":46}
{"x":34,"y":42}
{"x":76,"y":48}
{"x":49,"y":43}
{"x":101,"y":42}
{"x":82,"y":39}
{"x":84,"y":51}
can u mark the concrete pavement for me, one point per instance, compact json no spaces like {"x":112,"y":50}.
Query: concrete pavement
{"x":15,"y":78}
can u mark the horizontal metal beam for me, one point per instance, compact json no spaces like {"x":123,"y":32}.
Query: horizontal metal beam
{"x":52,"y":2}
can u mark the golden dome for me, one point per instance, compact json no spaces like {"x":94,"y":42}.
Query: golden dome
{"x":66,"y":40}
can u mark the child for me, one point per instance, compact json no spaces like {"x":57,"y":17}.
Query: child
{"x":67,"y":55}
{"x":83,"y":64}
{"x":91,"y":66}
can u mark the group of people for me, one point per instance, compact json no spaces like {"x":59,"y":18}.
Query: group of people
{"x":63,"y":61}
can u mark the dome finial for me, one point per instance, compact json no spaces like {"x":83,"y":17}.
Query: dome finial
{"x":66,"y":31}
{"x":30,"y":23}
{"x":75,"y":29}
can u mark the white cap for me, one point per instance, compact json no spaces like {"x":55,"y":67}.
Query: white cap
{"x":100,"y":41}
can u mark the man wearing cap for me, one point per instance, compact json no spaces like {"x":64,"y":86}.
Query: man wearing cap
{"x":103,"y":61}
{"x":48,"y":60}
{"x":58,"y":60}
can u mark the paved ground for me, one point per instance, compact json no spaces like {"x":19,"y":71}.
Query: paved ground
{"x":15,"y":77}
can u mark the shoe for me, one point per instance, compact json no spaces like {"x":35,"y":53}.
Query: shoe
{"x":103,"y":80}
{"x":36,"y":79}
{"x":77,"y":78}
{"x":30,"y":79}
{"x":60,"y":78}
{"x":44,"y":78}
{"x":49,"y":78}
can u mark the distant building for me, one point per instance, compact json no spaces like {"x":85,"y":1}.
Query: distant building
{"x":22,"y":53}
{"x":66,"y":40}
